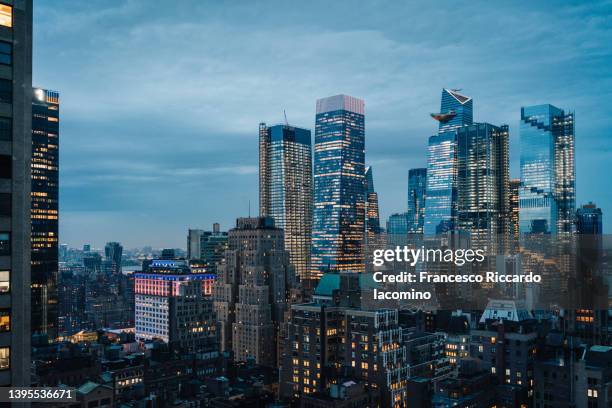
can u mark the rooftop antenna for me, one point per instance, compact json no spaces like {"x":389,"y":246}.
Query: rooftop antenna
{"x":285,"y":115}
{"x":249,"y":208}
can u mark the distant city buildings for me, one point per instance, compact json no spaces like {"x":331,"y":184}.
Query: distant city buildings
{"x":339,"y":172}
{"x":417,"y":188}
{"x":208,"y":247}
{"x":441,"y":205}
{"x":547,"y":197}
{"x":285,"y":188}
{"x":44,"y":213}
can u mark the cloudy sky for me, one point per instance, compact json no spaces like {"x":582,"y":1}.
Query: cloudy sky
{"x":161,"y":101}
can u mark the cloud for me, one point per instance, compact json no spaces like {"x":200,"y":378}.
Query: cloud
{"x":157,"y":97}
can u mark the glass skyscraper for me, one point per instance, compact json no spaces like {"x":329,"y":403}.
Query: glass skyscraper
{"x":483,"y":184}
{"x":339,"y":185}
{"x":44,"y":210}
{"x":547,"y":196}
{"x":417,"y":186}
{"x":285,"y":189}
{"x":441,"y":202}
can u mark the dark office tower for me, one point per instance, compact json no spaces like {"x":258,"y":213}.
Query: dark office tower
{"x":113,"y":252}
{"x":547,"y":194}
{"x":372,"y":212}
{"x":514,"y":208}
{"x":44,"y":212}
{"x":417,"y":186}
{"x":339,"y":171}
{"x":441,"y":204}
{"x":15,"y":189}
{"x":482,"y":184}
{"x":589,"y":219}
{"x":373,"y":238}
{"x":250,"y":294}
{"x":285,"y":167}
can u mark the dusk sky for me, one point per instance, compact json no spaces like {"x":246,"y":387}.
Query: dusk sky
{"x":160,"y":102}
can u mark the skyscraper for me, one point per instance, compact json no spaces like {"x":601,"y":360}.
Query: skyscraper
{"x":547,"y":197}
{"x":514,"y":208}
{"x":372,"y":211}
{"x":285,"y":167}
{"x":417,"y":187}
{"x":589,"y":219}
{"x":15,"y":162}
{"x":250,"y":294}
{"x":373,"y":237}
{"x":44,"y":210}
{"x":339,"y":171}
{"x":441,"y":203}
{"x":482,"y":184}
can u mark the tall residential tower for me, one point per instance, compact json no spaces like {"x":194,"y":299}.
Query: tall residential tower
{"x":285,"y":188}
{"x":339,"y":193}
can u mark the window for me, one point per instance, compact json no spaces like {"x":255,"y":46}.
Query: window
{"x":5,"y":243}
{"x":6,"y":15}
{"x":6,"y":53}
{"x":5,"y":358}
{"x":5,"y":204}
{"x":6,"y":129}
{"x":5,"y":320}
{"x":6,"y":91}
{"x":5,"y":166}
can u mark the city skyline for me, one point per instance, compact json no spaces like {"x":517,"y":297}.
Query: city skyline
{"x":398,"y":72}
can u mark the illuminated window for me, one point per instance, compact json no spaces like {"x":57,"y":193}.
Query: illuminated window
{"x":5,"y":320}
{"x":5,"y":281}
{"x":5,"y":358}
{"x":6,"y":15}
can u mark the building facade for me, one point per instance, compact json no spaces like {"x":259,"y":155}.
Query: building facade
{"x":286,"y":188}
{"x":15,"y":189}
{"x":339,"y":172}
{"x":170,"y":305}
{"x":483,"y":184}
{"x":441,"y":205}
{"x":513,"y":201}
{"x":44,"y":210}
{"x":251,"y":291}
{"x":547,"y":197}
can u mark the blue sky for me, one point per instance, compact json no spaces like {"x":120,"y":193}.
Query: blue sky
{"x":161,"y":103}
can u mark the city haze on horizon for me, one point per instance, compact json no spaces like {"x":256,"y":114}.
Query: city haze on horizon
{"x":160,"y":108}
